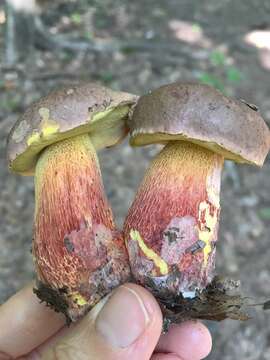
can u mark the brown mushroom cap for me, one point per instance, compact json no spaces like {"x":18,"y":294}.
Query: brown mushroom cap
{"x":201,"y":114}
{"x":70,"y":111}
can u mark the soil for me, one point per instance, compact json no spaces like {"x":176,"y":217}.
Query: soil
{"x":164,"y":41}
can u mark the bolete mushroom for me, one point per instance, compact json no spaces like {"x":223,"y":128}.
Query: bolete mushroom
{"x":79,"y":254}
{"x":171,"y":228}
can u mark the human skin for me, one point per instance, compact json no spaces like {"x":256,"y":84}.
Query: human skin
{"x":30,"y":330}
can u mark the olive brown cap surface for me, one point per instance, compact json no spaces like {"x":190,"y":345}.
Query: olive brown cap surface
{"x":70,"y":111}
{"x":202,"y":115}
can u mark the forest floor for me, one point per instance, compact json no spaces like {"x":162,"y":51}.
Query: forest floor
{"x":142,"y":45}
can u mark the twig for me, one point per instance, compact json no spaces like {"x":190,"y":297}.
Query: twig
{"x":54,"y":75}
{"x":44,"y":39}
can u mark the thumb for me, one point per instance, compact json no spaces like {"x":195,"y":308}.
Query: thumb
{"x":125,"y":325}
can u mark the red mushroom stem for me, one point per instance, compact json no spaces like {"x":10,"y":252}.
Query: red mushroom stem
{"x":78,"y":251}
{"x":172,"y":224}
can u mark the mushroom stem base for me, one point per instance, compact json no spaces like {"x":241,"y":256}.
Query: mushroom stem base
{"x":220,"y":300}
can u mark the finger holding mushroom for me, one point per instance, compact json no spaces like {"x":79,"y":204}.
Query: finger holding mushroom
{"x":78,"y":252}
{"x":171,"y":228}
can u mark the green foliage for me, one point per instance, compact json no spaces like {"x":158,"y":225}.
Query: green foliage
{"x":88,"y":35}
{"x":264,"y":213}
{"x":106,"y":77}
{"x":76,"y":18}
{"x":217,"y":58}
{"x":223,"y":74}
{"x":196,"y":27}
{"x":233,"y":74}
{"x":10,"y":103}
{"x":128,"y":50}
{"x":213,"y":80}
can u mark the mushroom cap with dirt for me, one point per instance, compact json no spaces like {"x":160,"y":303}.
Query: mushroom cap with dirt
{"x":79,"y":254}
{"x":172,"y":226}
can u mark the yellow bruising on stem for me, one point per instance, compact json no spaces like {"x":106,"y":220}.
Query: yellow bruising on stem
{"x":79,"y":299}
{"x":213,"y":190}
{"x":149,"y":253}
{"x":207,"y":233}
{"x":213,"y":181}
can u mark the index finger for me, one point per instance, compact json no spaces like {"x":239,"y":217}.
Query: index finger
{"x":25,"y":323}
{"x":188,"y":340}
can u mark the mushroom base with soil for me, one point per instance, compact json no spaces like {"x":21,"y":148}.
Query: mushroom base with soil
{"x":220,"y":300}
{"x":171,"y":228}
{"x":79,"y":254}
{"x":171,"y":233}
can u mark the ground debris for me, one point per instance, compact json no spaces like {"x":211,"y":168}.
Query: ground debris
{"x":219,"y":301}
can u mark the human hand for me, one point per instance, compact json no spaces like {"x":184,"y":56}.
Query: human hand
{"x":126,"y":325}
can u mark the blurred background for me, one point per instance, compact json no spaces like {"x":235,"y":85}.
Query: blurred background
{"x":136,"y":46}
